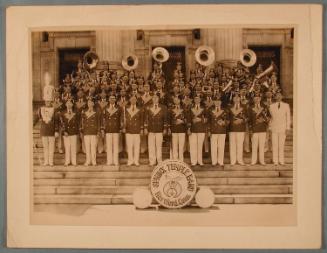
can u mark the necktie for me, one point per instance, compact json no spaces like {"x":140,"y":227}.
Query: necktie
{"x":197,"y":107}
{"x":278,"y":105}
{"x":237,"y":106}
{"x":155,"y":106}
{"x":133,"y":108}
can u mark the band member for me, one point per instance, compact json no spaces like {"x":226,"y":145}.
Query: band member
{"x":156,"y":119}
{"x":80,"y":107}
{"x":133,"y":123}
{"x":259,"y":119}
{"x":245,"y":103}
{"x":268,"y":101}
{"x":111,"y":122}
{"x":196,"y":131}
{"x":146,"y":101}
{"x":177,"y":122}
{"x":238,"y":118}
{"x":101,"y":107}
{"x":217,"y":127}
{"x":280,"y":123}
{"x":70,"y":121}
{"x":90,"y":127}
{"x":48,"y":131}
{"x":58,"y":106}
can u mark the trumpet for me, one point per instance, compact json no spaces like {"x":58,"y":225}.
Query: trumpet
{"x":248,"y":57}
{"x":160,"y":54}
{"x":90,"y":60}
{"x":205,"y":55}
{"x":130,"y":62}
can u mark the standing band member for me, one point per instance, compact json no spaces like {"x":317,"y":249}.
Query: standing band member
{"x":90,"y":127}
{"x":237,"y":129}
{"x":259,"y":119}
{"x":133,"y":129}
{"x":280,"y":123}
{"x":48,"y":131}
{"x":197,"y":129}
{"x":217,"y":128}
{"x":111,"y":122}
{"x":177,"y":122}
{"x":156,"y":126}
{"x":70,"y":121}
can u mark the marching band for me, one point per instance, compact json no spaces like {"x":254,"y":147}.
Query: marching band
{"x":95,"y":111}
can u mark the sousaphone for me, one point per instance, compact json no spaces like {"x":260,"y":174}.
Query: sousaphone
{"x":205,"y":55}
{"x":160,"y":54}
{"x":248,"y":57}
{"x":90,"y":60}
{"x":130,"y":62}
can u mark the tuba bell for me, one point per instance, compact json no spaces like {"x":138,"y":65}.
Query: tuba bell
{"x":248,"y":57}
{"x":205,"y":55}
{"x":130,"y":62}
{"x":90,"y":60}
{"x":160,"y":54}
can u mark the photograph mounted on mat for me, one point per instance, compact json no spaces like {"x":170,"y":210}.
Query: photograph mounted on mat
{"x":135,"y":127}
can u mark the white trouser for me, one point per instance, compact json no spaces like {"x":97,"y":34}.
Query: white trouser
{"x":178,"y":141}
{"x":155,"y":147}
{"x":236,"y":140}
{"x":196,"y":146}
{"x":278,"y":142}
{"x":91,"y":149}
{"x":217,"y":148}
{"x":133,"y":148}
{"x":48,"y":149}
{"x":112,"y":144}
{"x":258,"y":141}
{"x":70,"y":149}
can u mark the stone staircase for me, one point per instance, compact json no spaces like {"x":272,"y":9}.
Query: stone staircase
{"x":103,"y":184}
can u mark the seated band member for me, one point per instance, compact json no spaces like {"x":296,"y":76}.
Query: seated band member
{"x":90,"y":127}
{"x":70,"y":121}
{"x":133,"y":122}
{"x":156,"y":119}
{"x":177,"y":122}
{"x":259,"y":119}
{"x":49,"y":131}
{"x":111,"y":124}
{"x":196,"y":131}
{"x":280,"y":124}
{"x":238,"y":118}
{"x":217,"y":127}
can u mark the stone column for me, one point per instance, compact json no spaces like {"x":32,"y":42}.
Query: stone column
{"x":226,"y":42}
{"x":109,"y":47}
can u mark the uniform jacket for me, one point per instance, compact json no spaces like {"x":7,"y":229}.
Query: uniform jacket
{"x":197,"y":119}
{"x":259,"y":119}
{"x":217,"y":120}
{"x":70,"y":122}
{"x":49,"y":121}
{"x":146,"y":99}
{"x":133,"y":120}
{"x":234,"y":115}
{"x":177,"y":120}
{"x":156,"y":120}
{"x":90,"y":122}
{"x":112,"y":119}
{"x":280,"y":117}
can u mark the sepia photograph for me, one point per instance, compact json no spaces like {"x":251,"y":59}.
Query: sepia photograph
{"x":144,"y":125}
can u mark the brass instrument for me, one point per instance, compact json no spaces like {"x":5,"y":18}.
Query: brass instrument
{"x":205,"y":55}
{"x":160,"y":54}
{"x":130,"y":62}
{"x":248,"y":57}
{"x":90,"y":60}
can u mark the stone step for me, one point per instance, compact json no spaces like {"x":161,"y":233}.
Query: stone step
{"x":146,"y":182}
{"x":114,"y":190}
{"x":127,"y":199}
{"x":59,"y":160}
{"x":126,"y":168}
{"x":147,"y":174}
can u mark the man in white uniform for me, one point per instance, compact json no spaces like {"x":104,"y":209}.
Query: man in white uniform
{"x":280,"y":124}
